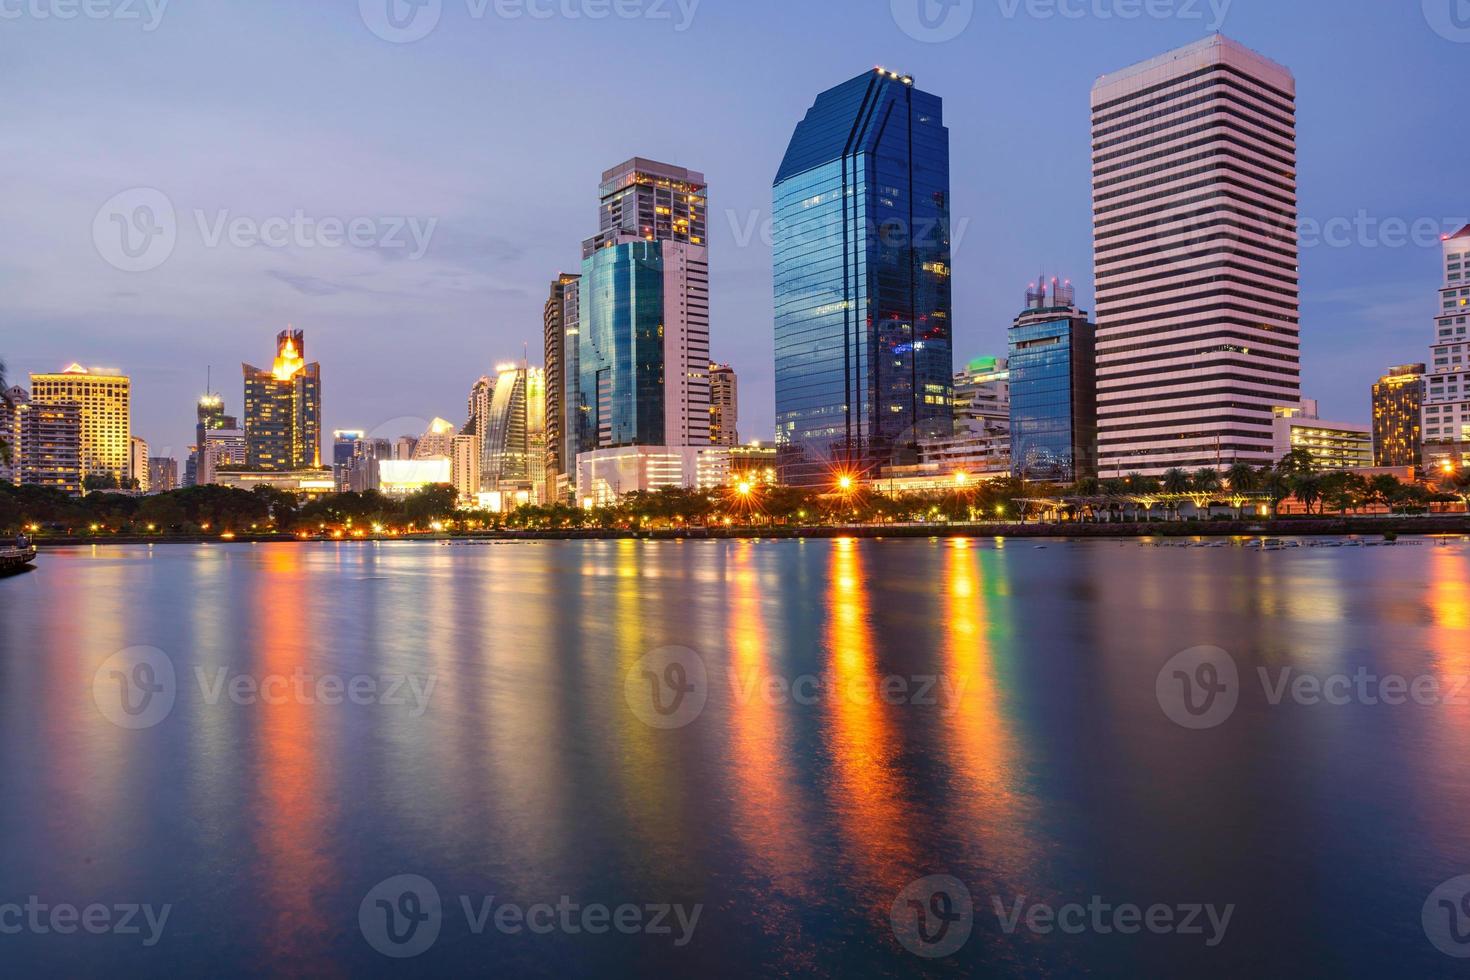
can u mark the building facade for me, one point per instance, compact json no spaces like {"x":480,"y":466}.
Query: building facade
{"x":105,"y":401}
{"x":138,"y":463}
{"x":1398,"y":417}
{"x":1447,"y":385}
{"x":513,"y":446}
{"x":1194,"y":193}
{"x":1053,"y":388}
{"x":724,"y":406}
{"x":1333,"y":446}
{"x":163,"y":474}
{"x":864,"y":367}
{"x":283,"y":409}
{"x":604,"y":475}
{"x":50,"y":444}
{"x":560,"y":320}
{"x":344,"y":451}
{"x":209,"y":414}
{"x":642,"y":372}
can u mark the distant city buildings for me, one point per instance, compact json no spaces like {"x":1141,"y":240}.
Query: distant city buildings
{"x":209,"y":415}
{"x":104,"y":401}
{"x":643,"y":319}
{"x":1398,"y":411}
{"x":603,"y":475}
{"x":1195,"y":216}
{"x":724,"y":406}
{"x":1333,"y":446}
{"x":163,"y":474}
{"x":1053,"y":388}
{"x":980,"y":443}
{"x":862,"y":280}
{"x":1447,"y":385}
{"x":283,"y":409}
{"x":405,"y":447}
{"x":344,"y":451}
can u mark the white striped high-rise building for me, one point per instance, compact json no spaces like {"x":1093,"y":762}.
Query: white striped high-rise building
{"x":1195,"y":250}
{"x":1446,"y":392}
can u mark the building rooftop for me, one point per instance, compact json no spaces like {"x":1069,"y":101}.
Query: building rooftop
{"x":1215,"y":48}
{"x":1462,"y":233}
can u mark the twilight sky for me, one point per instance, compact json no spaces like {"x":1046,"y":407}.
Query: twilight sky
{"x":464,"y":166}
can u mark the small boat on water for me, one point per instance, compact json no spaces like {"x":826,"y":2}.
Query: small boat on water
{"x":16,"y":559}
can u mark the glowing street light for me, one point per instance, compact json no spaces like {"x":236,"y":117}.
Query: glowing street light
{"x":960,"y":479}
{"x":744,"y":488}
{"x":844,"y":483}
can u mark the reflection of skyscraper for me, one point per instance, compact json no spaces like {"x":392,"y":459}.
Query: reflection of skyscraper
{"x":283,"y":408}
{"x":862,"y":279}
{"x":106,"y":418}
{"x":724,"y":406}
{"x":1194,"y":182}
{"x":560,"y":324}
{"x":642,"y":373}
{"x":513,"y":446}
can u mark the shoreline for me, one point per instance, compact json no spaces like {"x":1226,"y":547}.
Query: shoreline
{"x":1288,"y":527}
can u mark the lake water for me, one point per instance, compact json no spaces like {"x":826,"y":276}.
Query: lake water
{"x":735,"y":758}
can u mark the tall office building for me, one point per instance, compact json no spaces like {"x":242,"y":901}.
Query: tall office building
{"x":105,"y":400}
{"x":9,"y":434}
{"x":209,"y":415}
{"x":224,"y":450}
{"x":560,"y":325}
{"x":1053,"y":388}
{"x":1398,"y":412}
{"x":724,"y":406}
{"x":464,"y":467}
{"x":1195,"y":246}
{"x":283,"y":409}
{"x":163,"y":474}
{"x":513,"y":447}
{"x":864,"y":368}
{"x":1447,"y":385}
{"x":643,"y":321}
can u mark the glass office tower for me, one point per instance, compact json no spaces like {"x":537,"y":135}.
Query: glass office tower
{"x":620,"y":390}
{"x":1053,"y":361}
{"x":862,"y":280}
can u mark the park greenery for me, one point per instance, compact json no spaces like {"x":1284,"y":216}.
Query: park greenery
{"x":217,"y":510}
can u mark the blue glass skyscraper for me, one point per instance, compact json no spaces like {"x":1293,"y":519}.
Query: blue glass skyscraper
{"x":862,"y":280}
{"x":1053,"y":360}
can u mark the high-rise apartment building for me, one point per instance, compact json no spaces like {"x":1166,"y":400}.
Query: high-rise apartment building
{"x":283,"y":409}
{"x":50,"y":439}
{"x":1447,"y":385}
{"x":724,"y":406}
{"x":138,"y":463}
{"x":10,"y":434}
{"x":105,"y":400}
{"x":864,"y":368}
{"x":1194,"y":195}
{"x":642,"y":373}
{"x":1053,"y":388}
{"x":1398,"y":413}
{"x":560,"y":324}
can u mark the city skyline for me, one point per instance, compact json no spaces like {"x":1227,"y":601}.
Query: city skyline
{"x":1363,"y":305}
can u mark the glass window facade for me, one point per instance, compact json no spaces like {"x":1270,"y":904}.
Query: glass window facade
{"x":619,"y":396}
{"x":1053,"y":400}
{"x":862,"y":280}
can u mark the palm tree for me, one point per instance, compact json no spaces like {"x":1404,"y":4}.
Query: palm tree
{"x":1308,"y":489}
{"x":1242,"y":478}
{"x":1176,"y":481}
{"x":1277,"y":485}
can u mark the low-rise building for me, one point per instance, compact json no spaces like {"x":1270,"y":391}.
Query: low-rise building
{"x":1333,"y":445}
{"x":603,"y":475}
